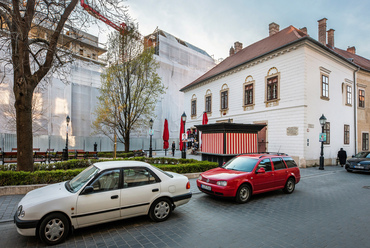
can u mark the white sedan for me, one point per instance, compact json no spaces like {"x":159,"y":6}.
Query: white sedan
{"x":103,"y":192}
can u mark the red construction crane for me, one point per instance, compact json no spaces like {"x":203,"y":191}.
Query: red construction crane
{"x":121,"y":27}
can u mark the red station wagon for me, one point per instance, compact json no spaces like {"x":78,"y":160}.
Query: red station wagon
{"x":250,"y":174}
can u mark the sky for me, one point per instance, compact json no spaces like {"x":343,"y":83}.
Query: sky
{"x":214,"y":25}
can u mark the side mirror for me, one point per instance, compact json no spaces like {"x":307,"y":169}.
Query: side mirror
{"x":261,"y":170}
{"x":88,"y":190}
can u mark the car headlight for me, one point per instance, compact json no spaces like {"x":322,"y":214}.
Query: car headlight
{"x":200,"y":178}
{"x":20,"y":211}
{"x":222,"y":183}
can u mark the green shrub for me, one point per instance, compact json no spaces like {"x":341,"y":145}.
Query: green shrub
{"x":63,"y":171}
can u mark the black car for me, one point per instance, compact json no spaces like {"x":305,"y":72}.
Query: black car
{"x":359,"y":162}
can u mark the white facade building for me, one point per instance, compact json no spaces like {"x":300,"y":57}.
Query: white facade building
{"x":287,"y":81}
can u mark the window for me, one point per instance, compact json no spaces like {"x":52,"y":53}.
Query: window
{"x":349,"y":95}
{"x":134,"y":177}
{"x":361,"y":98}
{"x":208,"y":104}
{"x":278,"y":163}
{"x":265,"y":163}
{"x":327,"y":131}
{"x":81,"y":52}
{"x":248,"y":94}
{"x":365,"y":141}
{"x":272,"y":88}
{"x":224,"y":99}
{"x":108,"y":180}
{"x":193,"y":107}
{"x":289,"y":162}
{"x":324,"y":86}
{"x":346,"y":134}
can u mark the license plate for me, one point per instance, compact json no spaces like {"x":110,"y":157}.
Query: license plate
{"x":206,"y":187}
{"x":358,"y":167}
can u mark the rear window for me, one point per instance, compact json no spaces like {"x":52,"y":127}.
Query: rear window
{"x":289,"y":162}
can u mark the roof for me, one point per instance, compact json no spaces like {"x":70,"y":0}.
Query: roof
{"x":226,"y":127}
{"x":271,"y":43}
{"x":357,"y":59}
{"x":184,"y":43}
{"x":119,"y":164}
{"x":284,"y":37}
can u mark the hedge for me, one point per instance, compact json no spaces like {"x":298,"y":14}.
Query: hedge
{"x":51,"y":175}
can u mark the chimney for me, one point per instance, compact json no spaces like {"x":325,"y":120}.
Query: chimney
{"x":232,"y":51}
{"x":331,"y":38}
{"x":322,"y":31}
{"x":273,"y":28}
{"x":304,"y":30}
{"x":351,"y":50}
{"x":238,"y":46}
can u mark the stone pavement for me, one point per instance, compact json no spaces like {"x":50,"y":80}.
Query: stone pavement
{"x":329,"y":208}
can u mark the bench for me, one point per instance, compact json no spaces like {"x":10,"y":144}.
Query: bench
{"x":40,"y":157}
{"x":91,"y":155}
{"x":9,"y":157}
{"x":80,"y":154}
{"x":55,"y":156}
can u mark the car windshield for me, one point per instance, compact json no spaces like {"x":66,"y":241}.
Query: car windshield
{"x":78,"y":181}
{"x":363,"y":155}
{"x":241,"y":164}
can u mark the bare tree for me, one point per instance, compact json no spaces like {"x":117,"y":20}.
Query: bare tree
{"x":130,"y":88}
{"x":39,"y":109}
{"x":33,"y":39}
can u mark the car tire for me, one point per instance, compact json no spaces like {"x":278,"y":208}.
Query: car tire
{"x":243,"y":194}
{"x":289,"y":186}
{"x":54,"y":229}
{"x":160,"y":210}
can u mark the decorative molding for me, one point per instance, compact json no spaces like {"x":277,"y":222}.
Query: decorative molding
{"x":327,"y":71}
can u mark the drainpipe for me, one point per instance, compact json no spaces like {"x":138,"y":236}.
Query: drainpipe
{"x":355,"y":106}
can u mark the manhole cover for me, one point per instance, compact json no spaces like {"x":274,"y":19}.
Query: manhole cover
{"x":366,"y":187}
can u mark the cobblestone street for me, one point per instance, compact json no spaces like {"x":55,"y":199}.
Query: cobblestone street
{"x":329,"y":208}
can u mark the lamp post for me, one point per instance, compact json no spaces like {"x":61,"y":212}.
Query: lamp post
{"x":183,"y":154}
{"x":151,"y":135}
{"x":68,"y":119}
{"x":322,"y":123}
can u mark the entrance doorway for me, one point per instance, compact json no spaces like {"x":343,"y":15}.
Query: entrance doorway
{"x":262,"y":142}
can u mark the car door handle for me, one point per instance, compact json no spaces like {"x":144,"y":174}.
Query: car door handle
{"x":155,"y":190}
{"x":114,"y":197}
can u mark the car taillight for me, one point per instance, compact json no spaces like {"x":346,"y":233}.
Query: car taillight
{"x":188,"y":185}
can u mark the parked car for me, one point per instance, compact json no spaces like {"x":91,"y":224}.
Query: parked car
{"x":103,"y":192}
{"x":359,"y":162}
{"x":246,"y":175}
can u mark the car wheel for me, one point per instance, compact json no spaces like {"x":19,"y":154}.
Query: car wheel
{"x":54,"y":229}
{"x":243,"y":194}
{"x":160,"y":210}
{"x":289,"y":186}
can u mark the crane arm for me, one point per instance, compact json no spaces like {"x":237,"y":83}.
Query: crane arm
{"x":99,"y":16}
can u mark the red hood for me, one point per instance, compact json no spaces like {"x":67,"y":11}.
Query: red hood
{"x":222,"y":174}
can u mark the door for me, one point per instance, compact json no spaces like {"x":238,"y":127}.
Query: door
{"x":102,"y":204}
{"x":280,"y":172}
{"x":264,"y":181}
{"x":262,"y":142}
{"x":140,"y":188}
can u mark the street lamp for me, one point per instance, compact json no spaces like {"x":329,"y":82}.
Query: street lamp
{"x":183,"y":154}
{"x":322,"y":123}
{"x":151,"y":135}
{"x":68,"y":119}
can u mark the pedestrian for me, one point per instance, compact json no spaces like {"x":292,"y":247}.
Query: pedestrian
{"x":173,"y":148}
{"x":342,"y":156}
